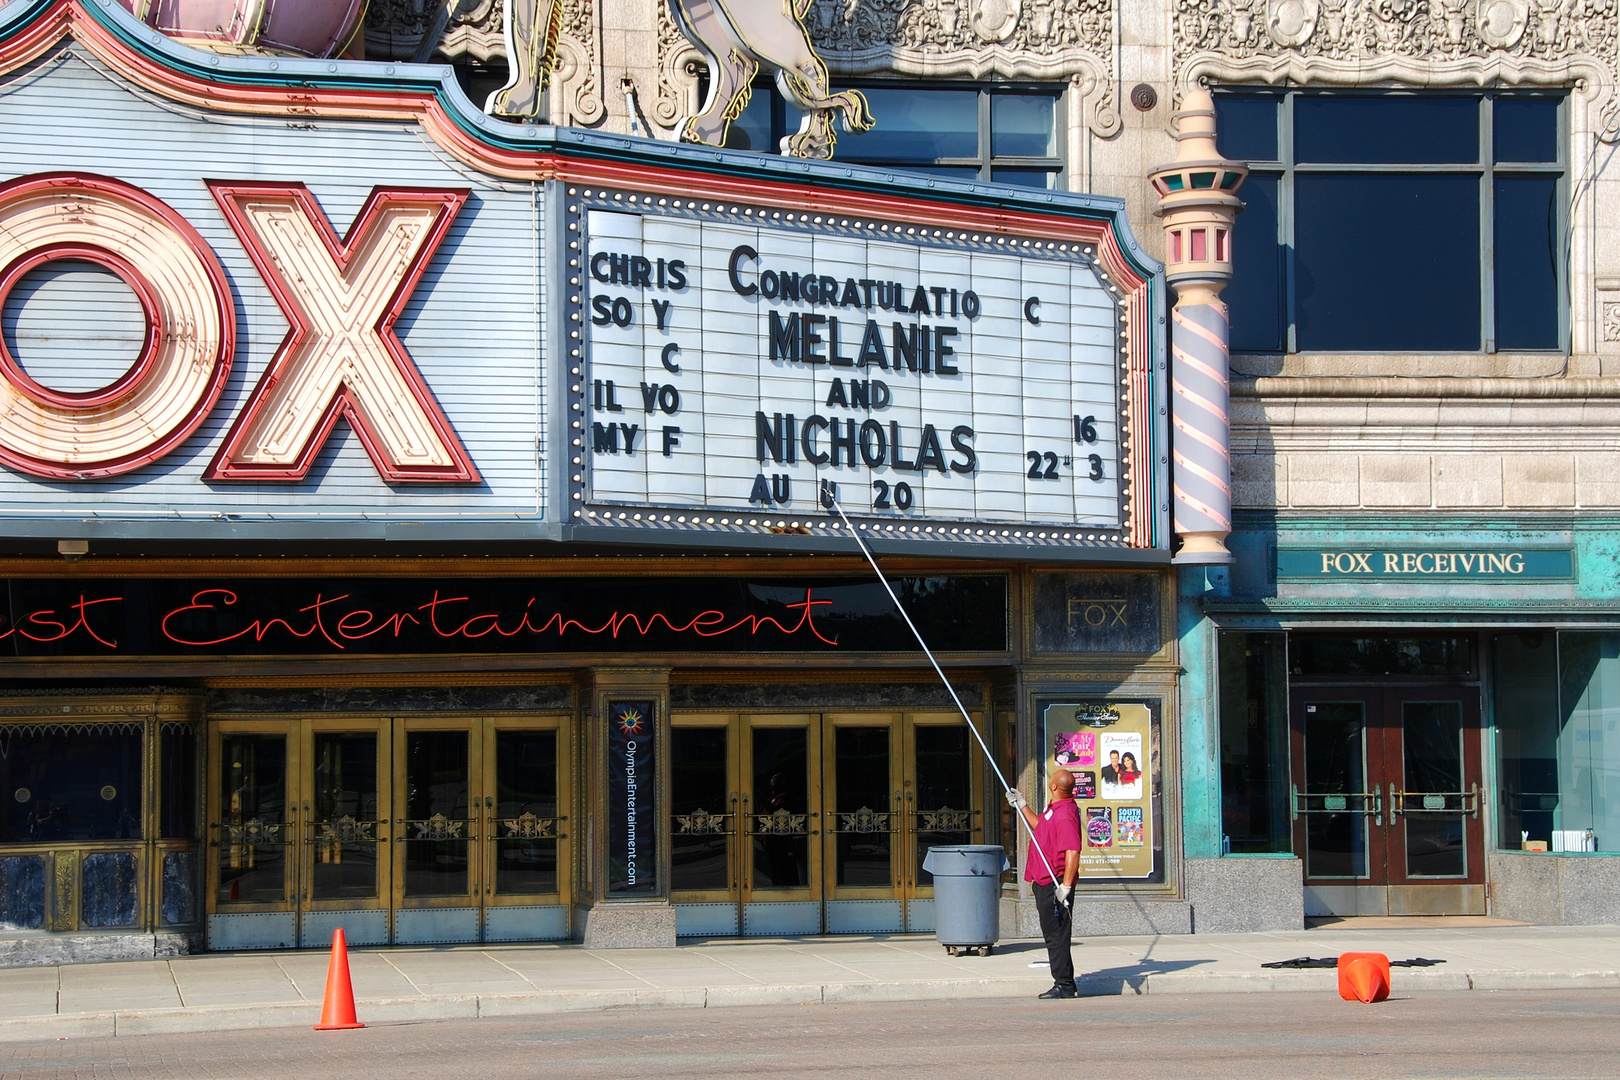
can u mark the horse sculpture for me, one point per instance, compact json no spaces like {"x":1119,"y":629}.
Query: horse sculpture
{"x":531,"y":29}
{"x":737,"y":37}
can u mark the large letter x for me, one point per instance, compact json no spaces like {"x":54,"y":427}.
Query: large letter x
{"x":341,"y":357}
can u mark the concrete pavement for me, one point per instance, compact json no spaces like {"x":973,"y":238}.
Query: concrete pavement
{"x":228,"y":991}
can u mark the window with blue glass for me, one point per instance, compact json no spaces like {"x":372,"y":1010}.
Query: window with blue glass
{"x":1397,"y":222}
{"x":999,"y":134}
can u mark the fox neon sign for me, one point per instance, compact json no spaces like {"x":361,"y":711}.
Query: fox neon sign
{"x":341,"y":357}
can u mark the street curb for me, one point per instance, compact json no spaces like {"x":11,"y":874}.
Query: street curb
{"x":541,"y":1003}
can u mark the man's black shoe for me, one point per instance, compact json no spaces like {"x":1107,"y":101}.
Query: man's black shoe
{"x":1059,"y":992}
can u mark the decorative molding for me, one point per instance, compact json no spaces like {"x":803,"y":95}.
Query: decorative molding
{"x":577,"y":97}
{"x":1074,"y":40}
{"x":1428,"y":43}
{"x":476,"y":31}
{"x":1611,"y":321}
{"x":679,"y":64}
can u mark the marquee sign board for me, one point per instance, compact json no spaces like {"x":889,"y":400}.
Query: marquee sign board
{"x":746,"y":361}
{"x":263,"y":297}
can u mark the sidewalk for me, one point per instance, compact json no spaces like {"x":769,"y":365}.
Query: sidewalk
{"x":226,"y":991}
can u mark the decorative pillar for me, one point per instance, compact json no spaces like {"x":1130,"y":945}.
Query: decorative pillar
{"x":1197,"y":205}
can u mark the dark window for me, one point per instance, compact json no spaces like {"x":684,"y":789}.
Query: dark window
{"x":71,"y":783}
{"x":1362,"y":229}
{"x":1410,"y":283}
{"x":1003,"y":134}
{"x":1254,"y":743}
{"x":1429,"y":657}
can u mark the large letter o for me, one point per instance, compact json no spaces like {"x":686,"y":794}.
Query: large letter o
{"x":190,"y":327}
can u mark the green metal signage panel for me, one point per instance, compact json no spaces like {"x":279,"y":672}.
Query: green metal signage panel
{"x":1485,"y":563}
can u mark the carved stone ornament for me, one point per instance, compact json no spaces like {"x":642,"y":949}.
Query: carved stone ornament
{"x":1565,"y":44}
{"x":1042,"y":40}
{"x":476,"y":30}
{"x":1611,"y":322}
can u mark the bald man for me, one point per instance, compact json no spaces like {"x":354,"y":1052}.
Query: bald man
{"x":1057,"y":831}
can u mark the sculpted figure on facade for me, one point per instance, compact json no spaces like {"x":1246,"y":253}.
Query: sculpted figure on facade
{"x":737,"y":37}
{"x":532,"y":29}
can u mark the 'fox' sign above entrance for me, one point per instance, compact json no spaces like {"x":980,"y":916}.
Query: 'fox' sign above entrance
{"x":341,"y":356}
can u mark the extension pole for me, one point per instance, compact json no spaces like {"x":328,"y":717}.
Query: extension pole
{"x":988,"y":756}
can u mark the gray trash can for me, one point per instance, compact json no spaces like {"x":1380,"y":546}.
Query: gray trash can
{"x":967,"y":896}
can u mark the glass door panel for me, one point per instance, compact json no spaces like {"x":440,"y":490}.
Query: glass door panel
{"x":1335,"y":801}
{"x":438,"y":825}
{"x":940,"y":796}
{"x":702,"y":809}
{"x":781,"y":872}
{"x":863,"y":854}
{"x":779,"y":781}
{"x":527,"y":812}
{"x":344,"y":829}
{"x":1431,"y":799}
{"x":255,"y":822}
{"x":525,"y":828}
{"x":344,"y":856}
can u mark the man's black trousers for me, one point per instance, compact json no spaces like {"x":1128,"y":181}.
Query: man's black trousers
{"x":1057,"y":929}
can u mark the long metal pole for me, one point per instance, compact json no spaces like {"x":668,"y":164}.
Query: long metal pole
{"x":988,"y":756}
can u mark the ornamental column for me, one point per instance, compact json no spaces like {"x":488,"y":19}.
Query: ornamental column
{"x":1197,"y":205}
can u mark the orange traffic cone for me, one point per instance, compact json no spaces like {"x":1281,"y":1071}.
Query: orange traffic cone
{"x":337,"y":1012}
{"x":1363,"y":976}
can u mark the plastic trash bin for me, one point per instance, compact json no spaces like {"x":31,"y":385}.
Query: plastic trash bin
{"x":967,"y":896}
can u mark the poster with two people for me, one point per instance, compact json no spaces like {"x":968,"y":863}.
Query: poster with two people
{"x":1107,"y":748}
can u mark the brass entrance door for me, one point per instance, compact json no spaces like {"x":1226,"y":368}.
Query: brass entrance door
{"x":396,"y":830}
{"x":1387,"y":807}
{"x":804,"y":823}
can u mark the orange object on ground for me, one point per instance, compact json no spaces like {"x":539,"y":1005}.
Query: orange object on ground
{"x":1363,"y":976}
{"x":337,"y":1011}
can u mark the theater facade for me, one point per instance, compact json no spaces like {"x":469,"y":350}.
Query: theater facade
{"x":436,"y":527}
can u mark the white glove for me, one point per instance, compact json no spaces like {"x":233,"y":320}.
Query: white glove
{"x":1015,"y":799}
{"x":1063,"y":893}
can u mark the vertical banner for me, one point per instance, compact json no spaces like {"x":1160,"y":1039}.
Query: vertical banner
{"x":1108,"y":748}
{"x":632,"y":801}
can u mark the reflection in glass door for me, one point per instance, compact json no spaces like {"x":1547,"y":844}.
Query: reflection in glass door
{"x":781,"y":891}
{"x":939,"y":800}
{"x":527,"y":825}
{"x":1335,"y":800}
{"x":254,"y":827}
{"x":436,"y":824}
{"x":343,"y":851}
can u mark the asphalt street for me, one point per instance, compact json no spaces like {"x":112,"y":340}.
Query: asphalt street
{"x":1207,"y":1036}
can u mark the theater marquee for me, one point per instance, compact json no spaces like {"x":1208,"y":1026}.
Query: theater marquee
{"x":266,"y":297}
{"x":748,"y":361}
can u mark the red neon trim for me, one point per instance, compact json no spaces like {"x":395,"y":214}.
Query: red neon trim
{"x":226,"y":464}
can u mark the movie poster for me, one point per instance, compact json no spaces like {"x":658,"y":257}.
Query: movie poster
{"x":1107,"y":746}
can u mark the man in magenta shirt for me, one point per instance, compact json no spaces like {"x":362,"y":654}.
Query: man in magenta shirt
{"x":1057,"y":831}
